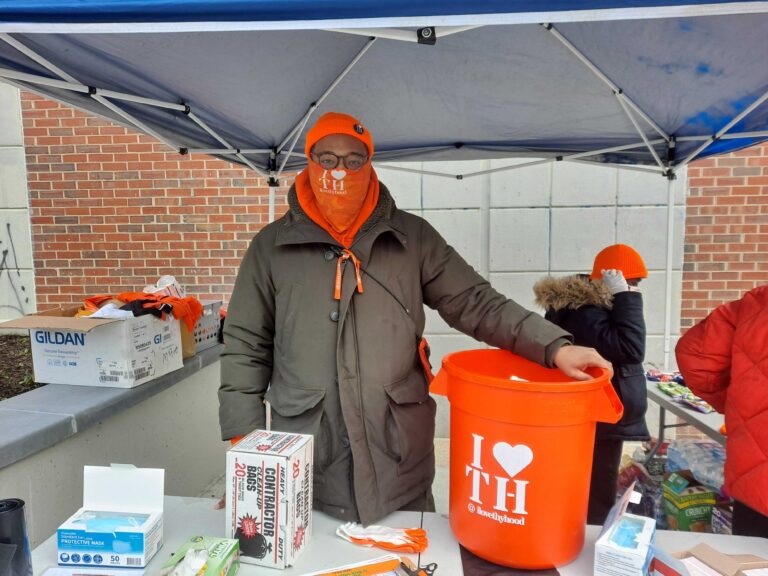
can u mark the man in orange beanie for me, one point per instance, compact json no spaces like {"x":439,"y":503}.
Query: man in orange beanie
{"x":604,"y":310}
{"x":326,"y":322}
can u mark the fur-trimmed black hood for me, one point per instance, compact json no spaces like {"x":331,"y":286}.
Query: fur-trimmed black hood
{"x":571,"y":292}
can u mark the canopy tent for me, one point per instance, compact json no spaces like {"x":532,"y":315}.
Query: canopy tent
{"x":646,"y":84}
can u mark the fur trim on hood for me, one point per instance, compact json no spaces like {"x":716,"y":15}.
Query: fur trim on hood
{"x":571,"y":292}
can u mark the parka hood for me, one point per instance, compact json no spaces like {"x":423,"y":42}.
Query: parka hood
{"x":571,"y":292}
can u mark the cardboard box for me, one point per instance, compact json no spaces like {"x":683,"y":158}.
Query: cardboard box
{"x":207,"y":328}
{"x":100,"y":352}
{"x":687,"y":503}
{"x":269,"y":496}
{"x":624,"y":546}
{"x":220,"y":555}
{"x":665,"y":564}
{"x":121,"y":521}
{"x":206,"y":332}
{"x":722,"y":519}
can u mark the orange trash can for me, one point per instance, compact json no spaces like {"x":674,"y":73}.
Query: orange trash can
{"x":522,"y":437}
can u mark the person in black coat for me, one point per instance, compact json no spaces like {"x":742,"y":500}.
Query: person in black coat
{"x":604,"y":311}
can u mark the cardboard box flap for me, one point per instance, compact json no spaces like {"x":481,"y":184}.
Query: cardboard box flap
{"x":123,"y":488}
{"x":57,"y":319}
{"x":726,"y":564}
{"x":620,"y":508}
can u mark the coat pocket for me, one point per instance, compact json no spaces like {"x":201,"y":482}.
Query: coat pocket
{"x":301,"y":410}
{"x":632,"y":392}
{"x":410,"y":422}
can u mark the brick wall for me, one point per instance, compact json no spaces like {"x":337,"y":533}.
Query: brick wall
{"x":113,"y":210}
{"x":726,"y":234}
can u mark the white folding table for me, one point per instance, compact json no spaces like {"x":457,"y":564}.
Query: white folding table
{"x":186,"y":517}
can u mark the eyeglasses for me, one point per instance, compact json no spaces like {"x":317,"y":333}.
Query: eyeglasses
{"x":329,"y":160}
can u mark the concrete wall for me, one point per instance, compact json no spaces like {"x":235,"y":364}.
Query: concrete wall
{"x":17,"y":280}
{"x":177,"y":429}
{"x":518,"y":226}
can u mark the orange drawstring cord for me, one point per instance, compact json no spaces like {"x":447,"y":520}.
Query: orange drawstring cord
{"x":347,"y":254}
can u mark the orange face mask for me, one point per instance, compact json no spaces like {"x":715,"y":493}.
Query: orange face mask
{"x":339,"y":193}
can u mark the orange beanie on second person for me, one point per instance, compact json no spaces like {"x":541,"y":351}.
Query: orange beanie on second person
{"x":619,"y":257}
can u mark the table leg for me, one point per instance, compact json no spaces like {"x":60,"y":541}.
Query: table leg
{"x":660,"y":438}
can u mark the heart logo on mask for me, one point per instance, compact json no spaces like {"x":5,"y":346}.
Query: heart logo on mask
{"x":338,"y":174}
{"x":512,"y":458}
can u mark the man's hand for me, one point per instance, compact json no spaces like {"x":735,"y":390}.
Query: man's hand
{"x":573,"y":360}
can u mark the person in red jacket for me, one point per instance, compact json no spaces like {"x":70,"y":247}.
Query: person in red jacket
{"x":724,"y":359}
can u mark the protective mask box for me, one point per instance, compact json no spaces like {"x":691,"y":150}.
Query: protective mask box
{"x":100,"y":352}
{"x":625,"y":544}
{"x":269,"y":496}
{"x":121,"y":521}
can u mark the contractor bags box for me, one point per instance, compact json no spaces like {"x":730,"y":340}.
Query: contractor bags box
{"x":121,"y":521}
{"x":100,"y":352}
{"x":269,"y":496}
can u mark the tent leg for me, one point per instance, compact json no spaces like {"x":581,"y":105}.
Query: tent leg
{"x":485,"y":223}
{"x":271,"y":204}
{"x":668,"y":271}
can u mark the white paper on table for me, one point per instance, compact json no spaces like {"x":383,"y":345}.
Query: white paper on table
{"x":78,"y":571}
{"x":363,"y":564}
{"x":697,"y":568}
{"x":757,"y":572}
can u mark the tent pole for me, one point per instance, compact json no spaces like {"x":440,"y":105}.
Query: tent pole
{"x":576,"y":156}
{"x":570,"y":157}
{"x":238,"y":153}
{"x":401,"y":35}
{"x":302,"y":122}
{"x":135,"y":122}
{"x":641,"y":133}
{"x":75,"y":87}
{"x":293,"y":144}
{"x":631,"y":167}
{"x":228,"y":151}
{"x":729,"y":136}
{"x":744,"y":113}
{"x":599,"y":73}
{"x":34,"y":79}
{"x":485,"y":224}
{"x":94,"y":93}
{"x":100,"y":99}
{"x":668,"y":271}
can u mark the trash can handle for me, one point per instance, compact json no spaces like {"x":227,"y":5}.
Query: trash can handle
{"x":607,"y":406}
{"x":439,"y":385}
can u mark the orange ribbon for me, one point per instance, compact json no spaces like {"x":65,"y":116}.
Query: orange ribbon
{"x":347,"y":254}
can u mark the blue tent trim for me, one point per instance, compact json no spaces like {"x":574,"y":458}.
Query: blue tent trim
{"x":116,"y":11}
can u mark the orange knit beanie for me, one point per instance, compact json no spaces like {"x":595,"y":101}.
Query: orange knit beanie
{"x":337,"y":123}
